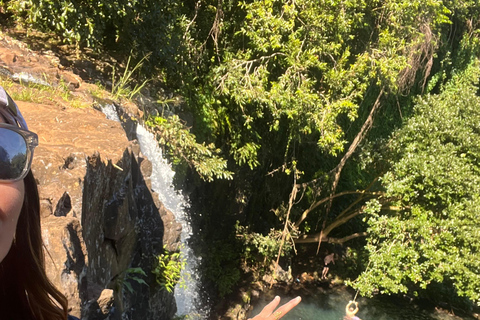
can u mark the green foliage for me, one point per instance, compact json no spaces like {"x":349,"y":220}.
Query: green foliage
{"x":246,"y":154}
{"x":352,"y":264}
{"x":259,"y":251}
{"x":126,"y":26}
{"x":295,"y":80}
{"x":168,"y":268}
{"x":75,"y":21}
{"x":183,"y":148}
{"x":291,"y":66}
{"x":435,"y":182}
{"x":222,"y":267}
{"x":133,"y":274}
{"x":121,"y":88}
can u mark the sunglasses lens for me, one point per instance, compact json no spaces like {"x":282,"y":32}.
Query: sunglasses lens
{"x":13,"y":154}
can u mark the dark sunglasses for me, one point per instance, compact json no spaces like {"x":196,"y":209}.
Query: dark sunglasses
{"x":16,"y":152}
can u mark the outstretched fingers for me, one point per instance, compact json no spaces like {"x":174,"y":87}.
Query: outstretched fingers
{"x":283,"y":310}
{"x":269,"y":312}
{"x":268,"y":309}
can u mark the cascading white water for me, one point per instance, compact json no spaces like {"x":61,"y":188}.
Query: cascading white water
{"x":187,"y":295}
{"x":110,"y":112}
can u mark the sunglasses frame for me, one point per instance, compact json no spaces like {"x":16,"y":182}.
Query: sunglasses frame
{"x":31,"y":140}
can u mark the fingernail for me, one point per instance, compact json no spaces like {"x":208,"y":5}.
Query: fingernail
{"x":277,"y":298}
{"x":298,"y":298}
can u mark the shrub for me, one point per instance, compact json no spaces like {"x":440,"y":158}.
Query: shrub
{"x":168,"y":269}
{"x":125,"y":26}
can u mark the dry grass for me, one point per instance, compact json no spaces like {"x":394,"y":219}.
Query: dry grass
{"x":58,"y":94}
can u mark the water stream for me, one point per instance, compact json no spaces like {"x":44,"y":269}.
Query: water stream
{"x":187,"y":291}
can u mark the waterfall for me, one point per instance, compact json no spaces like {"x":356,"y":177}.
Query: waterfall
{"x":186,"y":296}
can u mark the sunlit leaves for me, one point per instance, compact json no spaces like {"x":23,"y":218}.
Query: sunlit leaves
{"x":288,"y":48}
{"x":435,"y":180}
{"x":125,"y":26}
{"x":183,"y":148}
{"x":246,"y":154}
{"x":311,"y":61}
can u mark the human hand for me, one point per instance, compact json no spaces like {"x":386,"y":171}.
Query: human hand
{"x":268,"y":311}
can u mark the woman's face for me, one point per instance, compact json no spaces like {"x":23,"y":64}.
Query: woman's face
{"x":11,"y":201}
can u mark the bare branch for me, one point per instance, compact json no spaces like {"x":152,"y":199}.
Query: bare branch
{"x":293,"y":195}
{"x":361,"y":134}
{"x":260,"y":59}
{"x":315,"y":238}
{"x":338,"y":222}
{"x":316,"y":204}
{"x":197,"y":8}
{"x":248,"y":64}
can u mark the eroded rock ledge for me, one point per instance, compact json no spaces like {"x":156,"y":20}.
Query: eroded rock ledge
{"x":99,"y":216}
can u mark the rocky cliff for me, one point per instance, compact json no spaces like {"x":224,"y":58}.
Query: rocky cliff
{"x":101,"y":221}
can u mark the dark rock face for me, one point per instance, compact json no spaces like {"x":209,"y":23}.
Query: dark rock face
{"x":100,"y":219}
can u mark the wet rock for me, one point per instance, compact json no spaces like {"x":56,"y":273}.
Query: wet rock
{"x":236,"y":313}
{"x":146,"y":167}
{"x":26,"y":65}
{"x":306,"y":278}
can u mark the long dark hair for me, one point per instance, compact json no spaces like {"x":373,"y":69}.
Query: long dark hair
{"x":25,"y":291}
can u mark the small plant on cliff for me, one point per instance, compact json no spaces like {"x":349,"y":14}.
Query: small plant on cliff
{"x":168,"y":267}
{"x":133,"y":274}
{"x":122,"y":87}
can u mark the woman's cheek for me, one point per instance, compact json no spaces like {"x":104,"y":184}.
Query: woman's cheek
{"x":11,"y":201}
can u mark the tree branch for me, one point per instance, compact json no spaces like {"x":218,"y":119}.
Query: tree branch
{"x":317,"y":203}
{"x":315,"y":238}
{"x":361,"y":134}
{"x":339,"y":221}
{"x":359,"y":137}
{"x":293,"y":195}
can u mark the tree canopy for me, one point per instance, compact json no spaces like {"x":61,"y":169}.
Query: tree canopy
{"x":434,"y":182}
{"x":300,"y":65}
